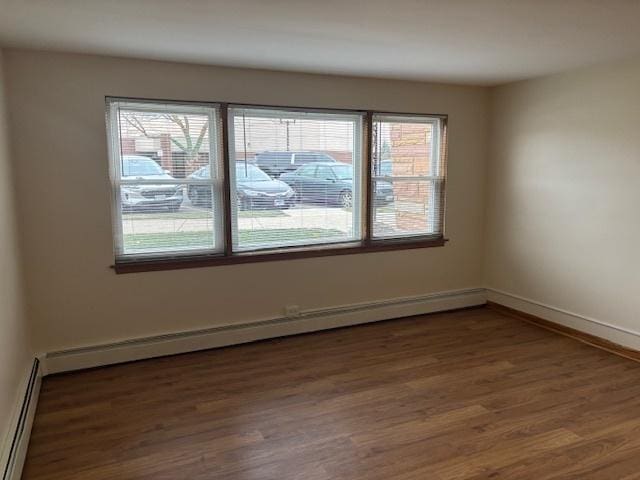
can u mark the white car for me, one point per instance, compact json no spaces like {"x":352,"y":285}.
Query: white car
{"x":148,"y":197}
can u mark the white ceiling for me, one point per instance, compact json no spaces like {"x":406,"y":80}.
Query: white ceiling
{"x":462,"y":41}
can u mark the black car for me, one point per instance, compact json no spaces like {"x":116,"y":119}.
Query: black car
{"x":148,"y":197}
{"x":254,"y":189}
{"x":277,"y":163}
{"x":331,"y":183}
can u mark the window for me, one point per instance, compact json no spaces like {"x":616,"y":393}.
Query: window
{"x":204,"y":184}
{"x":298,"y":202}
{"x":167,"y":202}
{"x":407,"y":177}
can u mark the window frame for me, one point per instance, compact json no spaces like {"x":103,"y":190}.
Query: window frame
{"x":196,"y":259}
{"x":438,"y":147}
{"x":216,"y":164}
{"x":358,"y":119}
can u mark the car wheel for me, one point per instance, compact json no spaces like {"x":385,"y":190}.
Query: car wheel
{"x":194,"y":196}
{"x":288,"y":204}
{"x":244,"y":204}
{"x":296,"y":198}
{"x":191,"y":195}
{"x":346,"y":199}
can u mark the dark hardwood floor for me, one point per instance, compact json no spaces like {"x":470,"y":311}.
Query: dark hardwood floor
{"x":470,"y":394}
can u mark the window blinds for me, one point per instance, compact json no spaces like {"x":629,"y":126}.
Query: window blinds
{"x":166,"y":173}
{"x":408,"y":175}
{"x":295,"y":178}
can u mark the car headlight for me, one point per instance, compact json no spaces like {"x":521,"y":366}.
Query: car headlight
{"x":289,"y":193}
{"x":250,"y":193}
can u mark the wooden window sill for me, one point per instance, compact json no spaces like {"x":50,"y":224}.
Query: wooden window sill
{"x":156,"y":264}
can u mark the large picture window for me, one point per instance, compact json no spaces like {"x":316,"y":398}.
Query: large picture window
{"x":206,"y":184}
{"x":295,"y":178}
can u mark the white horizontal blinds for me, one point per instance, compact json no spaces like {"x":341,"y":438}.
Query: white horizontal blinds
{"x":167,"y":182}
{"x":295,"y":178}
{"x":407,"y":171}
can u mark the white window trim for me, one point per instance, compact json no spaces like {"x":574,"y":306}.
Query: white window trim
{"x":434,"y":177}
{"x":212,"y":111}
{"x":358,"y":180}
{"x":224,"y":253}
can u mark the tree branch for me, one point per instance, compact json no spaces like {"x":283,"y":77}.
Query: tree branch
{"x":137,"y":124}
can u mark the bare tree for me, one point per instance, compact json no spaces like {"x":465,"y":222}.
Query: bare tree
{"x":190,"y":145}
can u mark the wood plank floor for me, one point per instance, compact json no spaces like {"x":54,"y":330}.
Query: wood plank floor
{"x":470,"y":394}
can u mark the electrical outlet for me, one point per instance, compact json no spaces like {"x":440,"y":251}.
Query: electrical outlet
{"x":292,"y":311}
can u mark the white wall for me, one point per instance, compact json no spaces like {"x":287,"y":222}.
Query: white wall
{"x":58,"y":133}
{"x":564,"y":195}
{"x":16,"y":355}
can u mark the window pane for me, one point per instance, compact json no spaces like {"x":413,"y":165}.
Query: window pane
{"x":165,"y":164}
{"x":403,"y":208}
{"x":296,"y":178}
{"x":407,"y":177}
{"x":163,"y":228}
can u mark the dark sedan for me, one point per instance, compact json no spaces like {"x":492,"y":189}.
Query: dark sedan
{"x":254,"y":189}
{"x":326,"y":182}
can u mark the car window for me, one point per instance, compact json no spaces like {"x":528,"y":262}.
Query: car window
{"x":273,"y":158}
{"x":325,"y":173}
{"x":140,"y":167}
{"x":306,"y":171}
{"x":302,"y":158}
{"x":283,"y":158}
{"x":202,"y":172}
{"x":343,"y":172}
{"x":323,"y":157}
{"x":250,"y":173}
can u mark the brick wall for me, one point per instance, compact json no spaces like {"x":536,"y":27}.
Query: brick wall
{"x":410,"y":155}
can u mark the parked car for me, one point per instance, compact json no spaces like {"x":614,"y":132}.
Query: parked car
{"x":383,"y":168}
{"x":148,"y":197}
{"x":277,"y":163}
{"x":254,"y":189}
{"x":328,"y":182}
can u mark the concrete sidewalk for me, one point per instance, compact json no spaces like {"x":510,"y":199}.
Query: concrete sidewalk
{"x":307,"y":217}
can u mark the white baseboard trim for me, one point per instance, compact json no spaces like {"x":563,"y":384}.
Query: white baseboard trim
{"x":307,"y":321}
{"x":15,"y":449}
{"x":622,"y":336}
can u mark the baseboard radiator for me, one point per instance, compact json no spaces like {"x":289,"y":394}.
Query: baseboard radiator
{"x":16,"y":449}
{"x":225,"y":335}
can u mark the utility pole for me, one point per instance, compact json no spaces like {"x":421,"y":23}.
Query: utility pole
{"x":287,"y":123}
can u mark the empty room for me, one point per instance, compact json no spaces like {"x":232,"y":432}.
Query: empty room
{"x":303,"y":240}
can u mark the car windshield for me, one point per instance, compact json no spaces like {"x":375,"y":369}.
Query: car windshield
{"x":343,"y":172}
{"x":203,"y":172}
{"x":250,"y":173}
{"x":140,"y":167}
